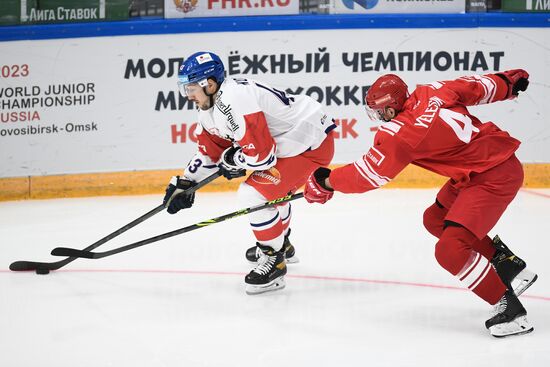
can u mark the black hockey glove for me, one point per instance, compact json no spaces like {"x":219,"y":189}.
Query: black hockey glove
{"x":175,"y":199}
{"x":517,"y":79}
{"x":227,"y":166}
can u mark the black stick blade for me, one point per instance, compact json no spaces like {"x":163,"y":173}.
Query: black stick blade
{"x":24,"y":265}
{"x":72,"y":252}
{"x":34,"y":265}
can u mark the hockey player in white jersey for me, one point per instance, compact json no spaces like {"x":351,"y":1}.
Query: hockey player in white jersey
{"x":249,"y":125}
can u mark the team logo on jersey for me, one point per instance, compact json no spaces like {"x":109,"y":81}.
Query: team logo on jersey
{"x":185,"y":6}
{"x":228,"y":112}
{"x":270,"y":176}
{"x":249,"y":146}
{"x":375,"y":156}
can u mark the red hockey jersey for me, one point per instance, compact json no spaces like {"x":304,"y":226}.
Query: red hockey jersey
{"x":435,"y":131}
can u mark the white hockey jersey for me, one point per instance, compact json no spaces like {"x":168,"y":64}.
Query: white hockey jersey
{"x":265,"y":122}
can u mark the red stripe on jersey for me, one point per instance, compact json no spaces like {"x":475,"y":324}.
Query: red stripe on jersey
{"x":471,"y":267}
{"x":286,"y":225}
{"x":379,"y":179}
{"x":481,"y":276}
{"x":348,"y":179}
{"x":257,"y":140}
{"x":212,"y":145}
{"x":270,"y":233}
{"x":474,"y":90}
{"x":286,"y":222}
{"x":501,"y":88}
{"x":365,"y":175}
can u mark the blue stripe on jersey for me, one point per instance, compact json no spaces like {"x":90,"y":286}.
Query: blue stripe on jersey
{"x":267,"y":222}
{"x":289,"y":211}
{"x":269,"y":161}
{"x":330,"y":128}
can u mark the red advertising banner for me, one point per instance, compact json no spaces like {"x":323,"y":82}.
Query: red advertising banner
{"x":221,"y":8}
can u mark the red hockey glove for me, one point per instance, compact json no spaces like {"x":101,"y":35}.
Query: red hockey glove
{"x":518,"y":81}
{"x":315,"y":190}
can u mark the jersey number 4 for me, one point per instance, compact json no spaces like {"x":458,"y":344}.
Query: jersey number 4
{"x":461,"y":124}
{"x":278,"y":93}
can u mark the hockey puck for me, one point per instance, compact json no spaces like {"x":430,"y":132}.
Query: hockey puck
{"x":42,"y":271}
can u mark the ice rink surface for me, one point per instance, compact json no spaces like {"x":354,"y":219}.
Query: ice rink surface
{"x":367,"y":291}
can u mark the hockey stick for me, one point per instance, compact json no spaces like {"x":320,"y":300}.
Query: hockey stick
{"x":35,"y":265}
{"x":64,"y":251}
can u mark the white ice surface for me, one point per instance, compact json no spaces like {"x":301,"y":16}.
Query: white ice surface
{"x":367,"y":292}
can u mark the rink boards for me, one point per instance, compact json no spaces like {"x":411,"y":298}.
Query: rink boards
{"x":95,"y":111}
{"x":154,"y":182}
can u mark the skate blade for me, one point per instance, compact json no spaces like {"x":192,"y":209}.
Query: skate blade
{"x":274,"y":285}
{"x":292,"y":260}
{"x":523,"y":280}
{"x":518,"y":326}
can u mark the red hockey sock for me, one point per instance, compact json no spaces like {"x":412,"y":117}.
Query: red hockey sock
{"x":485,"y":247}
{"x":455,"y":253}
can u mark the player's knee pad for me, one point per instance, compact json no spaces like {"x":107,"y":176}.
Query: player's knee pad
{"x":434,"y":219}
{"x":249,"y":196}
{"x":454,"y":248}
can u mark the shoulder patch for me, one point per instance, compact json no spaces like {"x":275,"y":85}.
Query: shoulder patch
{"x":375,"y":156}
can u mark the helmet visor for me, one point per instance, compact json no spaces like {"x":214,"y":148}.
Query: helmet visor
{"x":375,"y":114}
{"x":188,"y":89}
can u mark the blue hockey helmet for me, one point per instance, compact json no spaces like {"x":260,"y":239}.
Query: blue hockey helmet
{"x":198,"y":68}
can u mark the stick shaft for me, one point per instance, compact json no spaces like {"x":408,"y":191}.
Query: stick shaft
{"x":62,"y":251}
{"x":33,"y":265}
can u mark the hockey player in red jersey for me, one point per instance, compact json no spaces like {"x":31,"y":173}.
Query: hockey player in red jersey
{"x":248,"y":125}
{"x":433,"y":129}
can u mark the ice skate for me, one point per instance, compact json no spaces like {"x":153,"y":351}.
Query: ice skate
{"x":511,"y":269}
{"x":254,"y":253}
{"x":510,"y":317}
{"x":268,"y":275}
